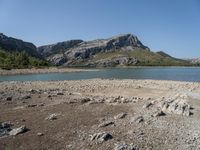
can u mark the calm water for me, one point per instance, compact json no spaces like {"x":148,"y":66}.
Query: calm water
{"x":159,"y":73}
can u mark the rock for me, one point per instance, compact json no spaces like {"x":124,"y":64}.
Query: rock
{"x":5,"y":125}
{"x":52,"y":117}
{"x":26,"y":97}
{"x":19,"y":130}
{"x":33,"y":91}
{"x":137,"y":119}
{"x":119,"y":60}
{"x":5,"y":128}
{"x":40,"y":134}
{"x":124,"y":146}
{"x":120,"y":116}
{"x":106,"y":123}
{"x":147,"y":105}
{"x":9,"y":98}
{"x":85,"y":100}
{"x":60,"y":93}
{"x":32,"y":105}
{"x":159,"y":113}
{"x":176,"y":107}
{"x":101,"y":137}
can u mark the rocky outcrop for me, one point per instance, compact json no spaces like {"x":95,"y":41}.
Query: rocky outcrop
{"x":194,"y":61}
{"x":15,"y":45}
{"x":116,"y":61}
{"x":66,"y":53}
{"x":60,"y":47}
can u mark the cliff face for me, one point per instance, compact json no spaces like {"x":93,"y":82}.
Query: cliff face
{"x":60,"y":47}
{"x":70,"y":52}
{"x":15,"y":45}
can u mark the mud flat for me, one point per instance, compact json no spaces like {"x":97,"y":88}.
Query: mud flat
{"x":100,"y":114}
{"x":42,"y":70}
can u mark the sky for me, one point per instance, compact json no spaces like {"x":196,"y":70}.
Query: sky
{"x":172,"y":26}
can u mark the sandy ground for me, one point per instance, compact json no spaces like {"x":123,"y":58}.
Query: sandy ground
{"x":100,"y":114}
{"x":42,"y":70}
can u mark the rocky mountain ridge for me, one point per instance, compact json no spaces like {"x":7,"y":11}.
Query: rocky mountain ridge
{"x":66,"y":53}
{"x":194,"y":60}
{"x":120,"y":50}
{"x":15,"y":45}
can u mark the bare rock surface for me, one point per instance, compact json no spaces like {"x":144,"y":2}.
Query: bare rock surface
{"x":19,"y":130}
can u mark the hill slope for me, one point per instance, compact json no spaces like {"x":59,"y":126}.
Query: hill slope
{"x":15,"y":53}
{"x":120,"y":50}
{"x":10,"y":44}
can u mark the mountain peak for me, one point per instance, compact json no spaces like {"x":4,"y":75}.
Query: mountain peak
{"x":127,"y":40}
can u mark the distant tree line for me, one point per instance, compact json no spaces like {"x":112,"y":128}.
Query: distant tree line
{"x":19,"y":60}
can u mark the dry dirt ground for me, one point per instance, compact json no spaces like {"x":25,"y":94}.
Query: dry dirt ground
{"x":100,"y":115}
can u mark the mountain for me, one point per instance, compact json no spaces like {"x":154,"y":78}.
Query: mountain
{"x":121,"y":50}
{"x":77,"y":51}
{"x":15,"y":53}
{"x":10,"y":44}
{"x":194,"y":61}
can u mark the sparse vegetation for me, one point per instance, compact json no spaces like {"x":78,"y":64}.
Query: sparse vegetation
{"x":144,"y":57}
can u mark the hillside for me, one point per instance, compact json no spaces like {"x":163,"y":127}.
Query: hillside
{"x":121,"y":50}
{"x":10,"y":44}
{"x":15,"y":53}
{"x":19,"y":60}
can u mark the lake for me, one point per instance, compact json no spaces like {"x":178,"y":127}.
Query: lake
{"x":157,"y":73}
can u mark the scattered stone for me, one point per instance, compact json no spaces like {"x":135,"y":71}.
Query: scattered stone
{"x":120,"y":116}
{"x":19,"y":130}
{"x":101,"y":137}
{"x":52,"y":117}
{"x":23,"y":120}
{"x":137,"y":119}
{"x":32,"y":105}
{"x":176,"y":107}
{"x":49,"y":96}
{"x":40,"y":134}
{"x":42,"y":104}
{"x":4,"y":129}
{"x":159,"y":113}
{"x":9,"y":98}
{"x":106,"y":123}
{"x":26,"y":97}
{"x":124,"y":146}
{"x":33,"y":91}
{"x":85,"y":100}
{"x":60,"y":93}
{"x":147,"y":105}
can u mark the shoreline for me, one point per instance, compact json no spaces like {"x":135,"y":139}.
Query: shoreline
{"x":41,"y":71}
{"x":62,"y":70}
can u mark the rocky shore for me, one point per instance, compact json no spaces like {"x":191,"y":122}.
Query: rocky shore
{"x":100,"y":114}
{"x":38,"y":70}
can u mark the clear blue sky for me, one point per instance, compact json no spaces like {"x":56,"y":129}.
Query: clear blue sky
{"x":169,"y":25}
